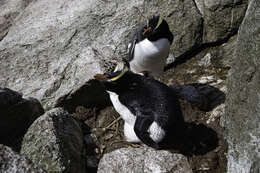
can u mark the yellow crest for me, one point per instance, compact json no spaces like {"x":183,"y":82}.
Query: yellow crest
{"x":147,"y":19}
{"x":159,"y":22}
{"x":120,"y":75}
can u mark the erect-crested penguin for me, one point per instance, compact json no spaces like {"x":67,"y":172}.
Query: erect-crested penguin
{"x":150,"y":47}
{"x":149,"y":108}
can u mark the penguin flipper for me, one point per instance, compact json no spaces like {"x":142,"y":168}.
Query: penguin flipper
{"x":131,"y":49}
{"x":138,"y":36}
{"x":141,"y":130}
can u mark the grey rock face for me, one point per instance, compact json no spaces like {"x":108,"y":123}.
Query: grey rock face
{"x":8,"y":12}
{"x":223,"y":55}
{"x":11,"y":162}
{"x":55,"y":142}
{"x":221,"y":18}
{"x":242,"y":116}
{"x":143,"y":160}
{"x":52,"y":48}
{"x":16,"y":115}
{"x":48,"y":49}
{"x":184,"y":21}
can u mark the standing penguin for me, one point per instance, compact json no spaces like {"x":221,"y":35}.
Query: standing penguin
{"x":150,"y":47}
{"x":149,"y":108}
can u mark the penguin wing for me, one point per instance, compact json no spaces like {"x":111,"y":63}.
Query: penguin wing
{"x":144,"y":119}
{"x":138,"y":36}
{"x":141,"y":126}
{"x":131,"y":49}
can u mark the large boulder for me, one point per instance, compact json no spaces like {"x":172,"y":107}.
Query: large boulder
{"x":55,"y":142}
{"x":143,"y":160}
{"x":222,"y":18}
{"x":242,"y":117}
{"x":16,"y":116}
{"x":9,"y":10}
{"x":52,"y":48}
{"x":12,"y":162}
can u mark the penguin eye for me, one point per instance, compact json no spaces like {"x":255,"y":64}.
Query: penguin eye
{"x":133,"y":85}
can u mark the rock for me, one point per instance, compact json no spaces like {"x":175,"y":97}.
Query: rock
{"x":8,"y":98}
{"x":50,"y":49}
{"x":224,"y":54}
{"x":17,"y":114}
{"x":55,"y":142}
{"x":143,"y":160}
{"x":185,"y":23}
{"x":242,"y":117}
{"x":205,"y":61}
{"x":221,"y":18}
{"x":200,"y":6}
{"x":202,"y":96}
{"x":12,"y":162}
{"x":8,"y":12}
{"x":92,"y":93}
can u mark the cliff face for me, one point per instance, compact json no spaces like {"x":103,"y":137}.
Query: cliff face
{"x":51,"y":51}
{"x":242,"y":116}
{"x":47,"y":49}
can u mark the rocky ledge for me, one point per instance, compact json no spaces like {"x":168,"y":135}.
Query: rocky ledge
{"x":49,"y":53}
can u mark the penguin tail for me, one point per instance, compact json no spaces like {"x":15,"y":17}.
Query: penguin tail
{"x":202,"y":96}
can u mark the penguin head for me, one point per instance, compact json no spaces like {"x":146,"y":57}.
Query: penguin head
{"x":120,"y":81}
{"x":157,"y":28}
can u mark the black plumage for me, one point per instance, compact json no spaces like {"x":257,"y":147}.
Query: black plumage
{"x":150,"y":32}
{"x":150,"y":101}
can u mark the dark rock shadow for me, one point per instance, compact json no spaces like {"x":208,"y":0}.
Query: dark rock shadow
{"x":202,"y":96}
{"x":193,"y":139}
{"x":90,"y":94}
{"x":16,"y":116}
{"x":91,"y":155}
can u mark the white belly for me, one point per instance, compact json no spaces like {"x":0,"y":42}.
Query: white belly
{"x":123,"y":111}
{"x":156,"y":132}
{"x":150,"y":56}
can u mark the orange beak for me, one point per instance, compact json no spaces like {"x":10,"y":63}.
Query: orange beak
{"x":100,"y":77}
{"x":146,"y":31}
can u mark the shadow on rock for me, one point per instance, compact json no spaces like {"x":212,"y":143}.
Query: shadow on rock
{"x":16,"y":116}
{"x":193,"y":139}
{"x":92,"y":157}
{"x":90,"y":94}
{"x":202,"y":96}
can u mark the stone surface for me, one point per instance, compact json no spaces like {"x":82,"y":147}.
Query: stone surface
{"x":184,"y":21}
{"x":202,"y":96}
{"x":242,"y":117}
{"x":55,"y":142}
{"x":224,"y":54}
{"x":8,"y":98}
{"x":11,"y":162}
{"x":143,"y":160}
{"x":221,"y":18}
{"x":9,"y":10}
{"x":50,"y":49}
{"x":16,"y":116}
{"x":91,"y":93}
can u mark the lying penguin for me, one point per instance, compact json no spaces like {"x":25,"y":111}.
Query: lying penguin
{"x":150,"y":47}
{"x":149,"y":108}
